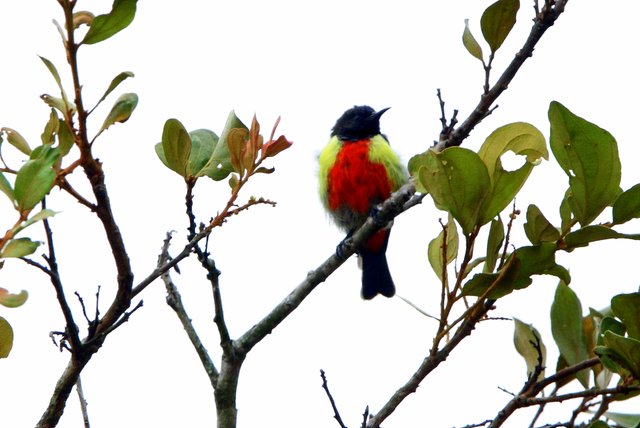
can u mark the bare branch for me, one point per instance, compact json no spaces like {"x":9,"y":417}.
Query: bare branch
{"x":542,"y":22}
{"x":174,"y":300}
{"x":336,"y":413}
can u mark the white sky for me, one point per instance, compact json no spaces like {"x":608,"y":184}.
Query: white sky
{"x":307,"y":62}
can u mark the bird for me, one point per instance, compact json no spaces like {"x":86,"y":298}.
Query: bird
{"x":357,"y":171}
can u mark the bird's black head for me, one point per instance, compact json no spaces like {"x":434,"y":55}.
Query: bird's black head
{"x":358,"y":123}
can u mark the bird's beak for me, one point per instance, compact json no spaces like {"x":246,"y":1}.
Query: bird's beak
{"x":380,"y":113}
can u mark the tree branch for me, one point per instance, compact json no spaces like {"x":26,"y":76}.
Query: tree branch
{"x":389,"y":209}
{"x":336,"y":413}
{"x":542,"y":22}
{"x":430,"y":363}
{"x":175,"y":302}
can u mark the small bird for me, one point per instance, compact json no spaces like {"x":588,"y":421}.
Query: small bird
{"x":357,"y":171}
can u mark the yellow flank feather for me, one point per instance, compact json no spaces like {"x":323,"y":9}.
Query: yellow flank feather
{"x":325,"y":161}
{"x":380,"y":151}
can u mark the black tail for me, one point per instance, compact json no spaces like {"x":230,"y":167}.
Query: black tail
{"x":376,"y":278}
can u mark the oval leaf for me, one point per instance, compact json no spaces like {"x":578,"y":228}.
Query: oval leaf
{"x":175,"y":148}
{"x":522,"y":139}
{"x":494,"y":244}
{"x":12,"y":300}
{"x":220,"y":166}
{"x":6,"y":338}
{"x":5,"y":187}
{"x":537,"y":228}
{"x":517,"y":271}
{"x":33,"y":182}
{"x":458,"y":181}
{"x":203,"y":143}
{"x":16,"y":140}
{"x":470,"y":42}
{"x":627,"y":205}
{"x":497,"y":21}
{"x":585,"y":235}
{"x":528,"y":343}
{"x":19,"y":248}
{"x":589,"y":156}
{"x":566,"y":327}
{"x":436,"y":247}
{"x":624,"y":351}
{"x":114,"y":84}
{"x":627,"y":308}
{"x":104,"y":26}
{"x":121,"y":110}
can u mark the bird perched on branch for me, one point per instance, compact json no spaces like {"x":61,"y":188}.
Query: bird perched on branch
{"x":359,"y":170}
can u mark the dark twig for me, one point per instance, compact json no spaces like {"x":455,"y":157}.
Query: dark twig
{"x":72,"y":331}
{"x":528,"y":396}
{"x":174,"y":300}
{"x":447,"y":128}
{"x":542,"y":22}
{"x":365,"y":417}
{"x":336,"y":413}
{"x":430,"y":363}
{"x":480,"y":424}
{"x":213,"y":274}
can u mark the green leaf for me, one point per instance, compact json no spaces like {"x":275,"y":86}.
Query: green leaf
{"x":470,"y":42}
{"x":566,"y":327}
{"x":458,"y":181}
{"x":522,"y":139}
{"x":65,"y":138}
{"x":50,"y":129}
{"x":104,"y":26}
{"x":220,"y":166}
{"x":175,"y":148}
{"x":497,"y":21}
{"x":435,"y":248}
{"x":44,"y":214}
{"x":567,"y":220}
{"x":60,"y":104}
{"x":34,"y":180}
{"x":517,"y":271}
{"x":494,"y":244}
{"x":121,"y":110}
{"x":203,"y":143}
{"x":525,"y":339}
{"x":624,"y":351}
{"x":11,"y":300}
{"x":6,"y":338}
{"x":585,"y":235}
{"x":54,"y":72}
{"x":19,"y":248}
{"x":624,"y":420}
{"x":589,"y":156}
{"x":627,"y":205}
{"x":627,"y":308}
{"x":598,"y":424}
{"x":114,"y":84}
{"x":6,"y":188}
{"x":16,"y":140}
{"x":415,"y":163}
{"x":610,"y":324}
{"x":537,"y":228}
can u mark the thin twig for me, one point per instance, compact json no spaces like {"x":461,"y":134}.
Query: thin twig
{"x":174,"y":300}
{"x":83,"y":403}
{"x":336,"y":413}
{"x":542,"y":22}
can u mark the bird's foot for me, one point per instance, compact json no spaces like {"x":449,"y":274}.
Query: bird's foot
{"x":375,"y":216}
{"x":344,"y":246}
